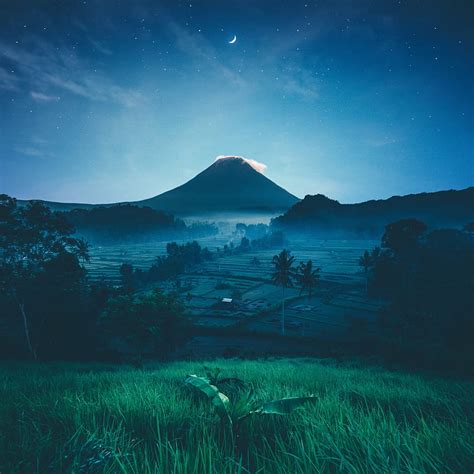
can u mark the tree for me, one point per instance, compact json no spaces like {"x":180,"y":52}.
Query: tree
{"x":367,"y":261}
{"x":404,"y":237}
{"x":244,"y":243}
{"x":307,"y":277}
{"x":126,"y":274}
{"x":283,"y":276}
{"x":428,"y":281}
{"x":255,"y":261}
{"x":153,"y":322}
{"x":36,"y":251}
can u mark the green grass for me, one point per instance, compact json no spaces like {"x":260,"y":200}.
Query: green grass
{"x":78,"y":418}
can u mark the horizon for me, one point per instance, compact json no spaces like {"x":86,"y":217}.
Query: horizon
{"x":259,"y":168}
{"x":110,"y":102}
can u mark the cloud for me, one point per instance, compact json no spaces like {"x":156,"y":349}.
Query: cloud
{"x":380,"y":141}
{"x":40,"y":97}
{"x":376,"y":136}
{"x":8,"y":80}
{"x":297,"y":81}
{"x":44,"y":66}
{"x":256,"y":165}
{"x":32,"y":151}
{"x":200,"y":50}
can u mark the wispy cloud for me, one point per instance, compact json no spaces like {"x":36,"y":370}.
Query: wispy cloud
{"x":256,"y":165}
{"x":32,"y":151}
{"x":40,"y":97}
{"x":8,"y":80}
{"x":200,"y":50}
{"x":377,"y":136}
{"x":46,"y":68}
{"x":86,"y":35}
{"x":298,"y":81}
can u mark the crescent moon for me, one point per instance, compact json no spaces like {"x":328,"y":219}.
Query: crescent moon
{"x":233,"y":40}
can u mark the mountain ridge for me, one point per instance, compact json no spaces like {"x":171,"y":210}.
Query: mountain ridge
{"x":320,"y":214}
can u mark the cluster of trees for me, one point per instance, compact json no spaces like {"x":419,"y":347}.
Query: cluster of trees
{"x":267,"y":241}
{"x":49,"y":310}
{"x":178,"y":258}
{"x":285,"y":274}
{"x":152,"y":324}
{"x":40,"y":275}
{"x":129,"y":222}
{"x":252,"y":231}
{"x":428,"y":278}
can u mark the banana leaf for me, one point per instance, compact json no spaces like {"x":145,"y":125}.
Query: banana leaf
{"x":218,"y":399}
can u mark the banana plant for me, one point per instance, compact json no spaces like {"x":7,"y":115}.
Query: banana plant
{"x":246,"y":405}
{"x":220,"y":401}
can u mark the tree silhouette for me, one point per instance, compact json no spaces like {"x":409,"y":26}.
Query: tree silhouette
{"x":37,"y":252}
{"x":404,"y":237}
{"x":151,"y":322}
{"x":365,"y":261}
{"x":283,"y":276}
{"x":255,"y":261}
{"x":307,"y":277}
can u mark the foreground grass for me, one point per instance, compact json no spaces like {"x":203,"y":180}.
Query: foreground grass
{"x":69,"y":418}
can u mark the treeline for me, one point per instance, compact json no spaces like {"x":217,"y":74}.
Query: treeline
{"x":428,"y":278}
{"x":255,"y":237}
{"x":178,"y":259}
{"x":49,"y":310}
{"x":128,"y":222}
{"x":252,"y":231}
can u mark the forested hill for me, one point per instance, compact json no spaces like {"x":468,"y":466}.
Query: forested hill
{"x":128,"y":222}
{"x":321,"y":215}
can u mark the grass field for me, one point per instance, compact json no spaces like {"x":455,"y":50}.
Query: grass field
{"x":71,"y":418}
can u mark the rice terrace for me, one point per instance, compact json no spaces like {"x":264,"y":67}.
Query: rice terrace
{"x":236,"y":237}
{"x":340,"y":299}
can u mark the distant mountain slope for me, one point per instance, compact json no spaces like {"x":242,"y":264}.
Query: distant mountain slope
{"x":319,"y":214}
{"x":230,"y":184}
{"x":62,"y":206}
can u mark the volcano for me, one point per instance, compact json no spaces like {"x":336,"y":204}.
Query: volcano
{"x":230,"y":184}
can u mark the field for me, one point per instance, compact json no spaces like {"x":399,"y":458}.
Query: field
{"x":339,"y":302}
{"x":76,"y":418}
{"x":106,"y":259}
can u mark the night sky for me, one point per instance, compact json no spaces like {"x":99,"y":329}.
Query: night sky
{"x":105,"y":101}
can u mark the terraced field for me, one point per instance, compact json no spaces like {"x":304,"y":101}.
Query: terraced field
{"x":337,"y":259}
{"x":106,"y":259}
{"x":339,"y":303}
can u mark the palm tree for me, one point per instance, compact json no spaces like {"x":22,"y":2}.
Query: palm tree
{"x":283,"y":276}
{"x":367,"y":260}
{"x":308,"y":278}
{"x":82,"y":250}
